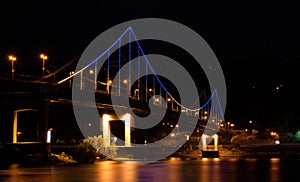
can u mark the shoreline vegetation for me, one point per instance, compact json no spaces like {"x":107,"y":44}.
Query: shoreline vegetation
{"x":84,"y":153}
{"x":91,"y":149}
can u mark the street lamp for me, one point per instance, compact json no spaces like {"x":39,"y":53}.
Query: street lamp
{"x":43,"y":57}
{"x":12,"y":59}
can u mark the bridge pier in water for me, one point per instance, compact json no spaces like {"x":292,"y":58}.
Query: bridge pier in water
{"x":207,"y":149}
{"x":107,"y":119}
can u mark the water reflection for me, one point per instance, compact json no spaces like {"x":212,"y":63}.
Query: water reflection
{"x":174,"y":170}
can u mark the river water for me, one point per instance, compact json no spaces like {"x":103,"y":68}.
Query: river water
{"x":175,"y":170}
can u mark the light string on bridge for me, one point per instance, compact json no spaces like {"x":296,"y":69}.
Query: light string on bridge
{"x":129,"y":61}
{"x":119,"y":68}
{"x":214,"y":97}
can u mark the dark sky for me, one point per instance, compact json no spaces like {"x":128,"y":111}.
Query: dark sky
{"x":257,"y":44}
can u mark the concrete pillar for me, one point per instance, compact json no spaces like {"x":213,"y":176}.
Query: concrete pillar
{"x":15,"y":127}
{"x":127,"y":119}
{"x":215,"y":142}
{"x":106,"y":130}
{"x":204,"y":142}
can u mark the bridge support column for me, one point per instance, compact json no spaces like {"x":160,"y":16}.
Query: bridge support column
{"x":106,"y":118}
{"x":106,"y":130}
{"x":215,"y":140}
{"x":15,"y":124}
{"x":204,"y":141}
{"x":15,"y":127}
{"x":127,"y":119}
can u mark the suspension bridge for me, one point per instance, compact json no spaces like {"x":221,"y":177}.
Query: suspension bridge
{"x":138,"y":82}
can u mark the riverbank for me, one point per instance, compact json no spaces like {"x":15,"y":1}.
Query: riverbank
{"x":225,"y":151}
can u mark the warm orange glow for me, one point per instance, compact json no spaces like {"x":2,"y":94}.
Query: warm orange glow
{"x":174,"y":159}
{"x":150,"y":89}
{"x":91,"y":72}
{"x":43,"y":56}
{"x":125,"y":81}
{"x":215,"y":159}
{"x":232,"y":125}
{"x":110,"y":82}
{"x":12,"y":58}
{"x":275,"y":160}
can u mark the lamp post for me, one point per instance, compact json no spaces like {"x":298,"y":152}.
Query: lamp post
{"x":44,"y":58}
{"x":12,"y":59}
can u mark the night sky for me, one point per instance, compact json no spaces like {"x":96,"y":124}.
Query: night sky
{"x":257,"y":44}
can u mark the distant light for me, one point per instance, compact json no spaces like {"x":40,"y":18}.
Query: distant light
{"x":273,"y":133}
{"x":187,"y":137}
{"x":109,"y":82}
{"x":250,"y":122}
{"x":157,"y":99}
{"x":169,"y":99}
{"x":150,"y":89}
{"x":177,"y":126}
{"x":12,"y":58}
{"x":91,"y":72}
{"x":172,"y":134}
{"x":90,"y":124}
{"x":43,"y":56}
{"x":125,"y":81}
{"x":277,"y":142}
{"x":232,"y":125}
{"x":49,"y":136}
